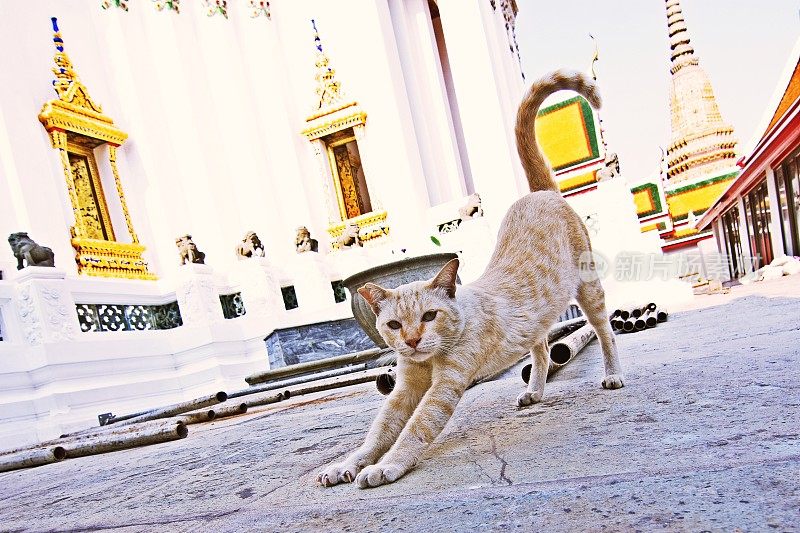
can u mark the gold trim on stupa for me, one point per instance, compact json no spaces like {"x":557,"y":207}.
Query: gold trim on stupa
{"x":77,"y":125}
{"x":702,"y":144}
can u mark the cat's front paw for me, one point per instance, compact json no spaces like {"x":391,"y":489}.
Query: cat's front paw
{"x":337,"y":473}
{"x":528,"y":398}
{"x":379,"y":474}
{"x":613,"y":381}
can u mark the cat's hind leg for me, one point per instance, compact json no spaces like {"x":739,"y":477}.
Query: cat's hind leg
{"x":591,"y":298}
{"x":540,"y":360}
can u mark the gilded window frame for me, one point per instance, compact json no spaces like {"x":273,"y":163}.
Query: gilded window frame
{"x":337,"y":182}
{"x":94,"y":174}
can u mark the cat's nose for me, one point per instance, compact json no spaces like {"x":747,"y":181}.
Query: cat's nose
{"x":413,"y":342}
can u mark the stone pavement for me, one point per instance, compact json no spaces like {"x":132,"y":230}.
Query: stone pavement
{"x":705,"y":436}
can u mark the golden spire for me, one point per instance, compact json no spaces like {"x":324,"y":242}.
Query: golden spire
{"x":328,"y":87}
{"x":331,"y":111}
{"x":63,"y":70}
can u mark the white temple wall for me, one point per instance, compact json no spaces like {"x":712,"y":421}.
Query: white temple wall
{"x":287,"y":163}
{"x":482,"y":114}
{"x":508,"y":78}
{"x":289,"y":99}
{"x":454,"y":114}
{"x":391,"y":154}
{"x":200,"y":143}
{"x":147,"y":161}
{"x":13,"y":211}
{"x":214,"y":110}
{"x":422,"y":69}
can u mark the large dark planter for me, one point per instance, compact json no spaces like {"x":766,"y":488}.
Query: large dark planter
{"x":390,"y":276}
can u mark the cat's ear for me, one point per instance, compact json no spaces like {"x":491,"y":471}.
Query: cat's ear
{"x":373,"y":294}
{"x":446,"y":278}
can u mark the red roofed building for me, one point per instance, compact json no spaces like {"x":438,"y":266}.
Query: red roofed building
{"x":757,"y":218}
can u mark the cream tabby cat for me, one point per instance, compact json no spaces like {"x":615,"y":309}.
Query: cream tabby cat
{"x":447,"y":336}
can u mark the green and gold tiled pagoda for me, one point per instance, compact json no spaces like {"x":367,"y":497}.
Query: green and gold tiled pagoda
{"x":700,"y":158}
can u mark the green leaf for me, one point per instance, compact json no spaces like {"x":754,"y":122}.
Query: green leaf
{"x":435,"y":241}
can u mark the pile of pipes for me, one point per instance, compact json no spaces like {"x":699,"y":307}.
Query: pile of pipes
{"x":637,"y":317}
{"x":170,"y":423}
{"x":139,"y":429}
{"x":565,"y":341}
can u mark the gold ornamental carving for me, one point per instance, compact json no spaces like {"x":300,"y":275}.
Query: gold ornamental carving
{"x":347,"y":181}
{"x":77,"y":126}
{"x":92,"y":207}
{"x":110,"y":259}
{"x":370,"y":225}
{"x":332,"y":111}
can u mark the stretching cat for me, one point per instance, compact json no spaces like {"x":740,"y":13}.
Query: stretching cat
{"x":446,"y":337}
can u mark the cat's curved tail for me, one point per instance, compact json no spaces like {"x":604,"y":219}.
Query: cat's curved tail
{"x":537,"y":168}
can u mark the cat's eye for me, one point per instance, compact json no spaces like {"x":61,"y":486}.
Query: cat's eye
{"x":394,"y":324}
{"x":429,"y":315}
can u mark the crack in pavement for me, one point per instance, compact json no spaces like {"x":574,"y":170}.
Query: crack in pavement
{"x":482,"y":471}
{"x":503,"y":463}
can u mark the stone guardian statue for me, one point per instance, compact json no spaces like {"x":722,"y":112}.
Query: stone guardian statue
{"x":250,"y":247}
{"x":188,"y":250}
{"x":28,"y":253}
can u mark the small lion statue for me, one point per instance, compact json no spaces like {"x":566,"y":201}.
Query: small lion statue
{"x":250,"y":246}
{"x":349,"y":237}
{"x":611,"y":168}
{"x":473,"y":208}
{"x":27,"y":251}
{"x":189,"y":251}
{"x":303,"y":241}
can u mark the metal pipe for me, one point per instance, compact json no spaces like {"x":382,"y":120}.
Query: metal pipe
{"x":551,"y":369}
{"x":313,"y":366}
{"x":651,"y":306}
{"x":113,"y":429}
{"x":56,"y":449}
{"x":385,"y":383}
{"x":565,"y":349}
{"x":255,"y":389}
{"x":124,"y":417}
{"x":264,"y":399}
{"x":628,"y":326}
{"x":346,"y":381}
{"x":232,"y":410}
{"x":661,"y":315}
{"x":142,"y":436}
{"x":179,"y":408}
{"x":565,"y":328}
{"x":640,"y":323}
{"x":53,"y":450}
{"x":198,"y":417}
{"x":650,"y":319}
{"x":29,"y":458}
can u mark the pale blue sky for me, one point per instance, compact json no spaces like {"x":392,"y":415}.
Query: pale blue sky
{"x":742,"y":44}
